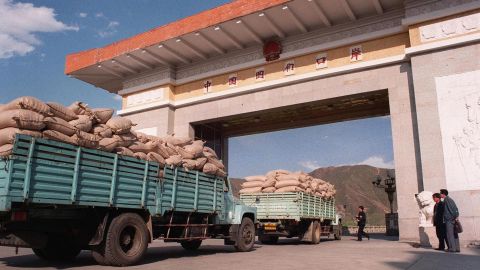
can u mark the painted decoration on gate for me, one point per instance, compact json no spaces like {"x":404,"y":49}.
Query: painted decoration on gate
{"x":356,"y":53}
{"x":289,"y":67}
{"x":260,"y":74}
{"x":321,"y":61}
{"x":207,"y":86}
{"x":459,"y":111}
{"x":272,"y":50}
{"x":232,"y":80}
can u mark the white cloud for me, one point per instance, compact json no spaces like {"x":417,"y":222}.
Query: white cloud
{"x":82,"y":15}
{"x":117,"y":97}
{"x":18,"y":24}
{"x":377,"y":161}
{"x":99,"y":15}
{"x":109,"y":30}
{"x":309,"y":164}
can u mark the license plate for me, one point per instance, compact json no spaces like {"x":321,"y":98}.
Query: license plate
{"x":270,"y":227}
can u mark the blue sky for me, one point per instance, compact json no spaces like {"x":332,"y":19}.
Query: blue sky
{"x":36,"y":35}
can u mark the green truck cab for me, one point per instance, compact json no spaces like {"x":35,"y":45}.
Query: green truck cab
{"x":294,"y":214}
{"x":59,"y":199}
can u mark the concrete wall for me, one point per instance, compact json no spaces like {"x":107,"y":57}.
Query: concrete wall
{"x":426,"y":68}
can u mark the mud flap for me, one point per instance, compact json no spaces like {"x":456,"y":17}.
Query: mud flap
{"x":307,"y":236}
{"x":233,"y":234}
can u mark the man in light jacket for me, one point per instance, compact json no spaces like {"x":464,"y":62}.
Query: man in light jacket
{"x":450,"y":216}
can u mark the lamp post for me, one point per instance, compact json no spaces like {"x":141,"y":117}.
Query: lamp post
{"x":391,"y":219}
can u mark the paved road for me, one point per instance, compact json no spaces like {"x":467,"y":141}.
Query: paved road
{"x":288,"y":254}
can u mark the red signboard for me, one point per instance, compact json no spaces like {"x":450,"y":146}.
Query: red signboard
{"x":272,"y":50}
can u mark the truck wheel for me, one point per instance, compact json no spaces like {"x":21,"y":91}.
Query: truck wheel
{"x":316,"y":232}
{"x":127,"y":240}
{"x":98,"y":254}
{"x":191,"y":245}
{"x":58,"y":249}
{"x":246,"y":235}
{"x":268,"y":239}
{"x":338,"y":234}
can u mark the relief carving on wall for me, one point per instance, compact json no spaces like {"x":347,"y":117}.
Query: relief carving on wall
{"x":459,"y":113}
{"x":450,"y":28}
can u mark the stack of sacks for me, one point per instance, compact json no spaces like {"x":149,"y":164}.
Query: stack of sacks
{"x":284,"y":181}
{"x":78,"y":124}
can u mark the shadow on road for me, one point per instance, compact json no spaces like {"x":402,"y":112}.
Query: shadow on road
{"x":154,"y":255}
{"x":433,"y":259}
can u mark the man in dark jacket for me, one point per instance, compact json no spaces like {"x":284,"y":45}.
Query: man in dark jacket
{"x":440,"y":228}
{"x":450,"y":216}
{"x":361,"y":222}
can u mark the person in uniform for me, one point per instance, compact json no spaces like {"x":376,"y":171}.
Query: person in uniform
{"x":361,"y":222}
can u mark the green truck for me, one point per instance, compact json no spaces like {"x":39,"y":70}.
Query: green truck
{"x":294,"y":214}
{"x":59,"y":199}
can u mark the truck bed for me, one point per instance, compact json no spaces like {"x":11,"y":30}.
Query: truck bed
{"x":46,"y":172}
{"x":290,"y":205}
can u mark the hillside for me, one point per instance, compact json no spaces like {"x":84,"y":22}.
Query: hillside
{"x":354,"y":188}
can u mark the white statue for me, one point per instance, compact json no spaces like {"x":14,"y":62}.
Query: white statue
{"x":426,"y":204}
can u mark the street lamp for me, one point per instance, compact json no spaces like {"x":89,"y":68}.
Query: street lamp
{"x":391,"y":219}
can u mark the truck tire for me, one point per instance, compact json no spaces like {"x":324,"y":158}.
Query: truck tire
{"x":316,"y":232}
{"x":191,"y":245}
{"x":246,"y":235}
{"x":126,"y":241}
{"x":98,"y":254}
{"x":338,"y":233}
{"x":58,"y":249}
{"x":268,"y":239}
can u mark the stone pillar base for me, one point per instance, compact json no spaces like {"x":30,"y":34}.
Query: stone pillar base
{"x":428,"y":237}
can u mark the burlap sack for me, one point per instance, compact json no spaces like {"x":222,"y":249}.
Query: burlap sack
{"x":221,"y":173}
{"x":120,"y":125}
{"x":270,"y":182}
{"x":185,"y":154}
{"x":140,"y":155}
{"x":251,"y":184}
{"x":250,"y":190}
{"x":22,"y":119}
{"x":6,"y":150}
{"x":152,"y":156}
{"x":287,"y":177}
{"x":7,"y":135}
{"x":305,"y":186}
{"x":175,"y":160}
{"x":216,"y":162}
{"x":108,"y":144}
{"x":199,"y":163}
{"x":83,"y":123}
{"x":58,"y":136}
{"x":125,"y":140}
{"x":2,"y":107}
{"x":170,"y":148}
{"x":189,"y":164}
{"x":209,"y":155}
{"x":87,"y":140}
{"x":286,"y":183}
{"x":162,"y":150}
{"x":268,"y":190}
{"x":61,"y":111}
{"x":211,"y":151}
{"x":196,"y":148}
{"x":124,"y":151}
{"x":29,"y":103}
{"x":102,"y":115}
{"x":80,"y":108}
{"x":255,"y":178}
{"x":210,"y":168}
{"x":60,"y":125}
{"x":142,"y":137}
{"x":143,"y":147}
{"x":177,"y":141}
{"x":289,"y":189}
{"x":102,"y":130}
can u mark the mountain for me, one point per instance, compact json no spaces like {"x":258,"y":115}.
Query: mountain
{"x":354,"y":187}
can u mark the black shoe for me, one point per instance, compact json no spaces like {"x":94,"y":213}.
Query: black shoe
{"x":458,"y":251}
{"x":359,"y":239}
{"x":440,"y":249}
{"x":368,"y":237}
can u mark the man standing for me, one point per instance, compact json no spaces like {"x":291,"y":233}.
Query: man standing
{"x":440,"y":229}
{"x":361,"y":221}
{"x":450,"y":216}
